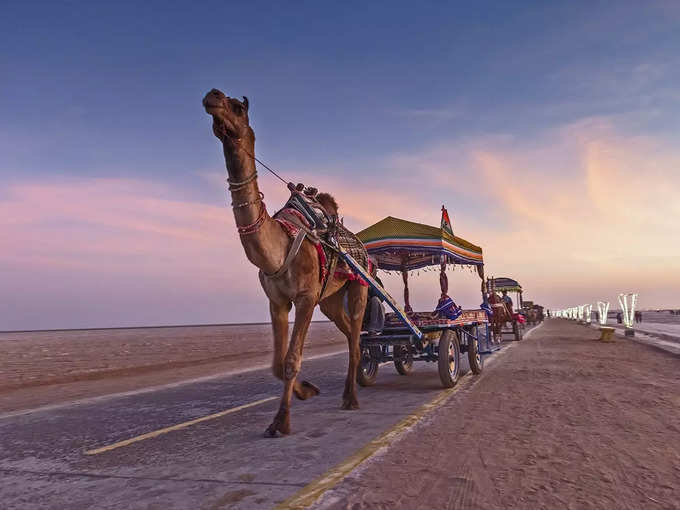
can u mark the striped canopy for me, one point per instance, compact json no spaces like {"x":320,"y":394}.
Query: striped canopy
{"x":400,"y":244}
{"x":503,"y":283}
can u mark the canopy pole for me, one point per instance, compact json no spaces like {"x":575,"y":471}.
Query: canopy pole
{"x":404,"y":276}
{"x":480,"y":272}
{"x":443,"y":279}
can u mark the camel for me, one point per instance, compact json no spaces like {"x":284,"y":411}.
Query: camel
{"x":266,"y":245}
{"x":532,"y":316}
{"x":500,"y":316}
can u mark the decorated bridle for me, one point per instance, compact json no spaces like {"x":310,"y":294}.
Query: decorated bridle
{"x":257,"y":224}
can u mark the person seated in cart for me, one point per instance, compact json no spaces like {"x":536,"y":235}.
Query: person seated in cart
{"x":374,"y":313}
{"x":374,"y":316}
{"x":507,"y":300}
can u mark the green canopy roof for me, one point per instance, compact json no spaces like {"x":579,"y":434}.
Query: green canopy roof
{"x":399,"y":244}
{"x":507,"y":284}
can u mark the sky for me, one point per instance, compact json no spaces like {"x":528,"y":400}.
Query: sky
{"x":551,"y":131}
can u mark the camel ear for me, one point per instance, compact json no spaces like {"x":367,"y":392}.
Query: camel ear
{"x":245,"y":102}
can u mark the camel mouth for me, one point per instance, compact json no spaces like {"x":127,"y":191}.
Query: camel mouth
{"x":213,"y":105}
{"x":214,"y":109}
{"x":213,"y":102}
{"x":224,"y":114}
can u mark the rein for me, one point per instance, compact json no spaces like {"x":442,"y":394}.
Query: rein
{"x":239,"y":185}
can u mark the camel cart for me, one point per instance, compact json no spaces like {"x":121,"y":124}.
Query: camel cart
{"x":456,"y":340}
{"x":511,"y":286}
{"x":532,"y":312}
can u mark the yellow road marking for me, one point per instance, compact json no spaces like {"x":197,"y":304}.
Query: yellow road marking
{"x":179,"y":426}
{"x":306,"y":496}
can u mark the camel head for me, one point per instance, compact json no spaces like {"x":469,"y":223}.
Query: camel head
{"x":230,"y":116}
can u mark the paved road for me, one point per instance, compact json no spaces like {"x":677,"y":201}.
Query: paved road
{"x":221,"y":463}
{"x":562,"y":422}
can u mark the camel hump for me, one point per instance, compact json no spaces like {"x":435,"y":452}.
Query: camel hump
{"x":328,"y":202}
{"x":352,"y":245}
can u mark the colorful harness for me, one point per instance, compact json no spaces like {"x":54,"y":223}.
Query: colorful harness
{"x":304,"y":217}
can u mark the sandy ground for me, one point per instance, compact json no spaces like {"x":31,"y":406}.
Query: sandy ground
{"x":563,"y":422}
{"x":47,"y":367}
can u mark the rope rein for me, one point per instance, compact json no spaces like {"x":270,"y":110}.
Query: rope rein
{"x":284,"y":181}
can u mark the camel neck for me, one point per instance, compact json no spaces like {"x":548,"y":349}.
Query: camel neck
{"x":263,"y":247}
{"x":238,"y":155}
{"x":244,"y":190}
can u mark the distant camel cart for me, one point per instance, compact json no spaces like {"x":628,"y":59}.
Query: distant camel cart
{"x":518,"y":320}
{"x":533,"y":312}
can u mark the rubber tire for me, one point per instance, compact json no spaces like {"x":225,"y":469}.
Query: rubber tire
{"x":367,"y":372}
{"x":449,"y":341}
{"x":403,"y":367}
{"x":476,"y":360}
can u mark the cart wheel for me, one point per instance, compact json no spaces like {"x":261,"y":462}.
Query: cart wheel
{"x":449,"y":359}
{"x":517,"y":331}
{"x":368,"y":368}
{"x":476,"y":360}
{"x":404,"y":365}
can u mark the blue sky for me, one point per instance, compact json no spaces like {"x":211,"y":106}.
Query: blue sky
{"x":368,"y":94}
{"x":116,"y":84}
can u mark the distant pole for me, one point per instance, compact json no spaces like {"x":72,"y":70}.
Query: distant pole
{"x":588,"y":313}
{"x":628,"y":302}
{"x":602,"y":312}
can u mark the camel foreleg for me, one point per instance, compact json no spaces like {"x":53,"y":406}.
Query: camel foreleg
{"x":304,"y":307}
{"x":279,"y":315}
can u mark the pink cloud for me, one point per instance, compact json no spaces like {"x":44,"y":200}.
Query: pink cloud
{"x":579,"y":214}
{"x":73,"y":246}
{"x":585,"y":211}
{"x":95,"y":241}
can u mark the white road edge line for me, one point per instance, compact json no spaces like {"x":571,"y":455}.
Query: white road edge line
{"x":151,"y":389}
{"x":533,"y":329}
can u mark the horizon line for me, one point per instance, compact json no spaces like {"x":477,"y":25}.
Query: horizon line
{"x":49,"y":330}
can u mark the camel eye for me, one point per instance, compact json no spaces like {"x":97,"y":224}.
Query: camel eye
{"x":237,"y":108}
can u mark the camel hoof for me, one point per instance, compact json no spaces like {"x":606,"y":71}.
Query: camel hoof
{"x":306,"y":390}
{"x":275,"y":428}
{"x":312,"y":387}
{"x":271,"y":431}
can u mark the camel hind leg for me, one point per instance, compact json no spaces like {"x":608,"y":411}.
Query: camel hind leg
{"x":333,"y":308}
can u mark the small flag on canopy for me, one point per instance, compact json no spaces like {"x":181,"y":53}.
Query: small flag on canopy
{"x":446,"y":222}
